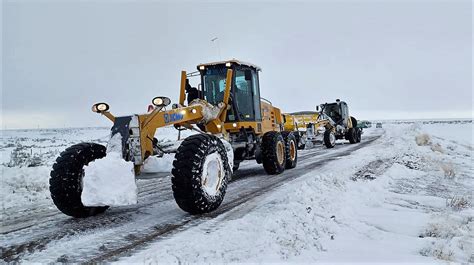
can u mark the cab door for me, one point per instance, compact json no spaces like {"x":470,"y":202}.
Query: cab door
{"x":246,"y":95}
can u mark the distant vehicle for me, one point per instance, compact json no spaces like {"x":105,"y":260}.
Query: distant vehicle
{"x":378,"y":125}
{"x":364,"y":124}
{"x":340,"y":125}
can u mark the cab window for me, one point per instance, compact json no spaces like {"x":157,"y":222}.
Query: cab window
{"x":244,"y":94}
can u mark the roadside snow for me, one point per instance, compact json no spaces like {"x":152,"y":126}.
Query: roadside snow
{"x":24,"y":182}
{"x":460,"y":133}
{"x":388,"y":202}
{"x":24,"y":186}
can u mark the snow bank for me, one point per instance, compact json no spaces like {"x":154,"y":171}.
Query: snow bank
{"x":328,"y":217}
{"x":24,"y":186}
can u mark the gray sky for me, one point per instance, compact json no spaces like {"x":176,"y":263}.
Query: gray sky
{"x":392,"y":59}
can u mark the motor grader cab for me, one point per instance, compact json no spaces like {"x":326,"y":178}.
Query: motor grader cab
{"x":233,"y":122}
{"x":249,"y":117}
{"x":339,"y":125}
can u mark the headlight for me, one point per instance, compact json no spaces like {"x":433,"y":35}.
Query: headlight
{"x":161,"y":101}
{"x":100,"y":107}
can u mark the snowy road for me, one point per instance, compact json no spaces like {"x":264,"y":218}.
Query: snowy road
{"x":42,"y":234}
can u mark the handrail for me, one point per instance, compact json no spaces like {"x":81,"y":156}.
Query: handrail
{"x":262,"y":98}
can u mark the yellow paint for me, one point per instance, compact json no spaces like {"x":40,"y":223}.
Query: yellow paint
{"x":228,"y":83}
{"x":182,"y":92}
{"x":299,"y":121}
{"x":187,"y":116}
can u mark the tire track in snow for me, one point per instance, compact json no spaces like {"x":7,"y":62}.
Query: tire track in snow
{"x":119,"y":239}
{"x":268,"y":185}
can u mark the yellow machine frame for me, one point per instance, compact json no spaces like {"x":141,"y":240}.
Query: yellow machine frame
{"x":148,"y":123}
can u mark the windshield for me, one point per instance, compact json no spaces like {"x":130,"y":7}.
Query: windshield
{"x":214,"y":85}
{"x":333,"y":111}
{"x":213,"y":88}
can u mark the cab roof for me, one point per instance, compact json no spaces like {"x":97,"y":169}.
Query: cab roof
{"x":233,"y":61}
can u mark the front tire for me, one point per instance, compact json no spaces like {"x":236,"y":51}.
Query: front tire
{"x":65,"y":183}
{"x":273,"y":153}
{"x":200,"y":174}
{"x":329,"y":139}
{"x":291,"y":149}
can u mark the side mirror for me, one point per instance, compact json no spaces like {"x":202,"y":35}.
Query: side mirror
{"x":317,"y":108}
{"x":161,"y":101}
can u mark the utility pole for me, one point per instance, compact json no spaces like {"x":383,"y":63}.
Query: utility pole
{"x":216,"y":39}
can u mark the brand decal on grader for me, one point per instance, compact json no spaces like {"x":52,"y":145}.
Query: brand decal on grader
{"x":172,"y":117}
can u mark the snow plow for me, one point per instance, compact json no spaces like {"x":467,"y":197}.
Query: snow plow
{"x":233,"y":123}
{"x":305,"y":125}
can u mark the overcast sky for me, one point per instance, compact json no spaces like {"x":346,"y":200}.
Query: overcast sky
{"x":387,"y":59}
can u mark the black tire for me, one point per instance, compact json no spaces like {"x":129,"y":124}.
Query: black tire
{"x":351,"y":135}
{"x":299,"y":140}
{"x":290,"y":146}
{"x":329,"y":139}
{"x":65,"y":183}
{"x":359,"y":135}
{"x":270,"y":157}
{"x":236,"y":166}
{"x":188,"y":165}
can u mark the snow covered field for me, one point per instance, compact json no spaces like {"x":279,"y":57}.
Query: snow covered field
{"x":28,"y":155}
{"x":391,"y":201}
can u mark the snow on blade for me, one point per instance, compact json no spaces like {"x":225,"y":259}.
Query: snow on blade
{"x":110,"y":180}
{"x":155,"y":164}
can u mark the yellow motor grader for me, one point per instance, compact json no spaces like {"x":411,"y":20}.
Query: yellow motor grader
{"x":234,"y":124}
{"x":304,"y":125}
{"x":330,"y":122}
{"x":338,"y":123}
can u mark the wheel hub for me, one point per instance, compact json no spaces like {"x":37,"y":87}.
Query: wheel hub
{"x":292,"y":151}
{"x":212,"y":174}
{"x":280,"y":153}
{"x":332,"y":138}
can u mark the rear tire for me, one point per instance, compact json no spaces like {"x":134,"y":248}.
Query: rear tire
{"x":273,"y":153}
{"x":200,"y":174}
{"x":236,"y":166}
{"x":65,"y":183}
{"x":291,"y":149}
{"x":329,"y":139}
{"x":351,"y":135}
{"x":359,"y":135}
